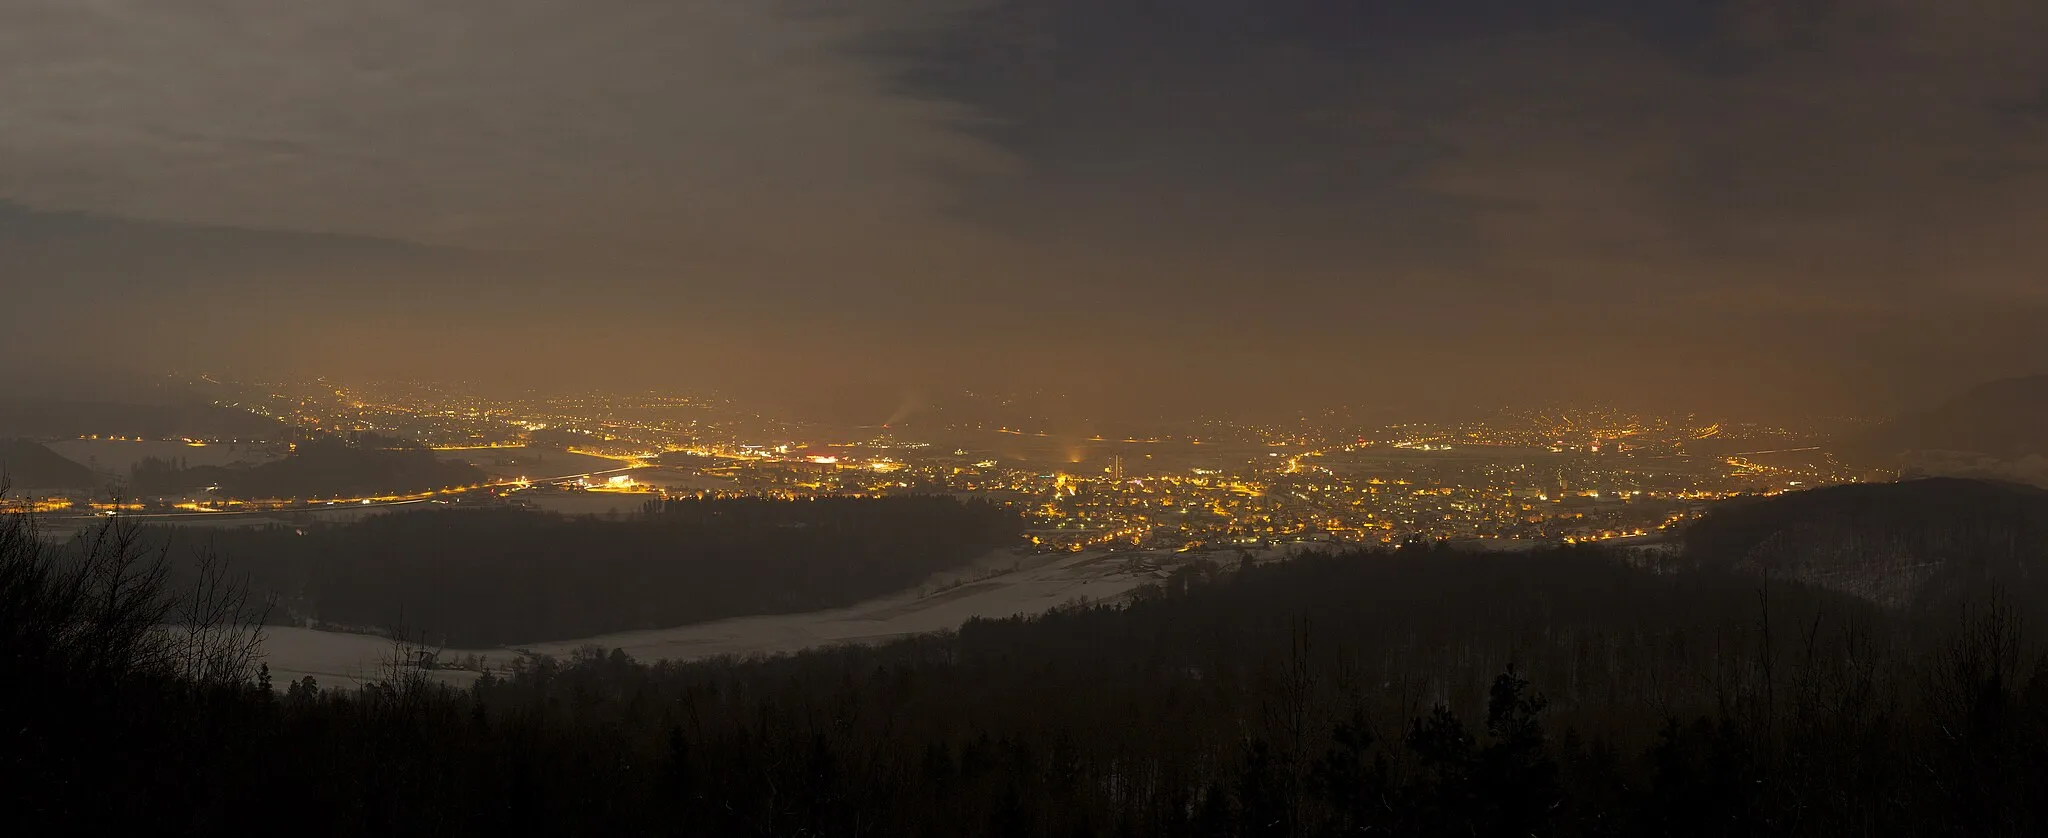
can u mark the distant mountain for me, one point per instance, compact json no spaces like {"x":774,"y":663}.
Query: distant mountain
{"x":1999,"y":423}
{"x":1917,"y":544}
{"x":38,"y":403}
{"x":28,"y":465}
{"x":66,"y":419}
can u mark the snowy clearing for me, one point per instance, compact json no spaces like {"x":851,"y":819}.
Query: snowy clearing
{"x":1002,"y":585}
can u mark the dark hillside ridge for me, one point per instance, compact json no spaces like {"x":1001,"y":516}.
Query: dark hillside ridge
{"x":69,"y":419}
{"x":25,"y":464}
{"x":1916,"y":543}
{"x":320,"y":469}
{"x":2006,"y":419}
{"x":1413,"y":692}
{"x":490,"y":577}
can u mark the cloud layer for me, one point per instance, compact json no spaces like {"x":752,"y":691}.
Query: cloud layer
{"x":497,"y":123}
{"x":1784,"y":202}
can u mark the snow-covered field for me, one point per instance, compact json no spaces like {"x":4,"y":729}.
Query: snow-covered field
{"x":1001,"y":585}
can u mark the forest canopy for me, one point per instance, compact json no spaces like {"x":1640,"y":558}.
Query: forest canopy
{"x":480,"y":578}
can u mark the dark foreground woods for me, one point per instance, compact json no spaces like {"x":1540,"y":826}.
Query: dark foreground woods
{"x":1422,"y":692}
{"x":483,"y":578}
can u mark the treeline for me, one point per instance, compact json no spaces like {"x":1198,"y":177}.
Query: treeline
{"x":1418,"y":692}
{"x":482,"y":578}
{"x":1966,"y":517}
{"x":1919,"y":545}
{"x":319,"y":469}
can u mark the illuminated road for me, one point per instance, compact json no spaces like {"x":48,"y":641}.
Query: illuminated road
{"x":1001,"y":585}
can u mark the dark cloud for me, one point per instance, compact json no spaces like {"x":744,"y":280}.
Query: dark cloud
{"x":1809,"y":194}
{"x":503,"y":123}
{"x":1836,"y":183}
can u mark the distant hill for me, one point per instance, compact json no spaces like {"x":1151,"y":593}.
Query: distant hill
{"x":1916,"y":544}
{"x":85,"y":250}
{"x":63,"y":419}
{"x":1997,"y":430}
{"x":323,"y":469}
{"x":28,"y":465}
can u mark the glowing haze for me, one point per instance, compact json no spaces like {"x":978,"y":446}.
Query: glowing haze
{"x":1797,"y":203}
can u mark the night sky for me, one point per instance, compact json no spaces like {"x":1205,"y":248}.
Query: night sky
{"x":1758,"y":205}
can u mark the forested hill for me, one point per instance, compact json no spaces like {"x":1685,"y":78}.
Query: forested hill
{"x":1423,"y":692}
{"x":1997,"y":431}
{"x":328,"y":468}
{"x":2006,"y":418}
{"x":69,"y":418}
{"x":1914,"y":543}
{"x":481,"y":578}
{"x":26,"y":464}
